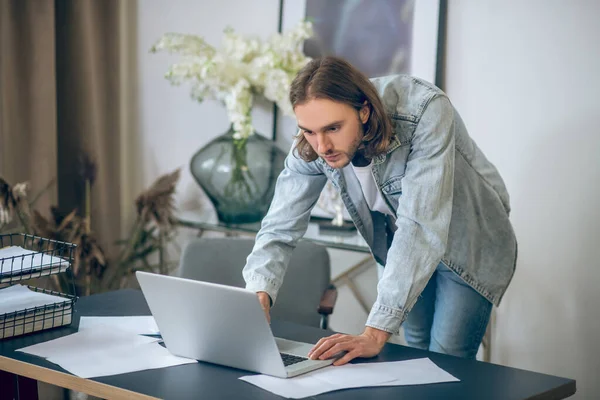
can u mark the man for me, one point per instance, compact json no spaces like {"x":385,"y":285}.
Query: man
{"x":432,"y":208}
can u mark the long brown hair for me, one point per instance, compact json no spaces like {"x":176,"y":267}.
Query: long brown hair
{"x":336,"y":79}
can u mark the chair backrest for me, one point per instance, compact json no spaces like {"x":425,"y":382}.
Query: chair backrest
{"x":221,"y":260}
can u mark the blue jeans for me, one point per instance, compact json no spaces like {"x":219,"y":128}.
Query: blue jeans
{"x":449,"y":317}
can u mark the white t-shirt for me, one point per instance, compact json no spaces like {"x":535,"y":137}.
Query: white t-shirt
{"x":370,"y":191}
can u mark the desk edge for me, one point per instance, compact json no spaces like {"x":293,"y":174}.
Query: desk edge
{"x":562,"y":392}
{"x":68,"y":381}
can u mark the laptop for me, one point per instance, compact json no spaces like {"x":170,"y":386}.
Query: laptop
{"x":222,"y":325}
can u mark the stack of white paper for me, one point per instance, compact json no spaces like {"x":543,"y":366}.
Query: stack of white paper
{"x":27,"y":261}
{"x":411,"y":372}
{"x":105,"y":350}
{"x":17,"y":298}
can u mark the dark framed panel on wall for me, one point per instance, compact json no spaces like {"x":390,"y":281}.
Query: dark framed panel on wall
{"x":379,"y":37}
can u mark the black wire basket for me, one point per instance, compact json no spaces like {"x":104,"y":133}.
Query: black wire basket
{"x":26,"y":261}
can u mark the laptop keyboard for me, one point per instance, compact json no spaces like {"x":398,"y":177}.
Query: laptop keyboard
{"x":289,"y":359}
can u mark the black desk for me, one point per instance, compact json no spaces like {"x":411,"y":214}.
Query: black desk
{"x":196,"y":381}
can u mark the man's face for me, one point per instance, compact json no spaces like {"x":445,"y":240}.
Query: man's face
{"x":334,"y":130}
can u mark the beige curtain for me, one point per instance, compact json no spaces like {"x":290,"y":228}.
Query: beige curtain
{"x":28,"y":148}
{"x":64,"y":93}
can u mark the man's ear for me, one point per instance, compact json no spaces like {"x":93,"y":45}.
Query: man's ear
{"x":364,"y":112}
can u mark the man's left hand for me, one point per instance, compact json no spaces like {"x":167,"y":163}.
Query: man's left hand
{"x":367,"y":344}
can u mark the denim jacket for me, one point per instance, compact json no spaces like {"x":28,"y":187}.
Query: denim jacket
{"x":451,"y":206}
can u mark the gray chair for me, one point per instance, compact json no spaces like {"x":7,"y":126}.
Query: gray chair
{"x":306,"y":297}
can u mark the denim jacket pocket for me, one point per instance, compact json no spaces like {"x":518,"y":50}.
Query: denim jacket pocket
{"x":393,"y":186}
{"x":403,"y":127}
{"x":392,"y":190}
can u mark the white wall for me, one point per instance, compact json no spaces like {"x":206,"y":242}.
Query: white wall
{"x":525,"y":77}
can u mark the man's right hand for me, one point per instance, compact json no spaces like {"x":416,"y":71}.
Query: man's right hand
{"x":265,"y":302}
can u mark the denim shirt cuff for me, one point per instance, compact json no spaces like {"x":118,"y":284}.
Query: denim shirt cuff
{"x":386,"y":318}
{"x":258,"y":283}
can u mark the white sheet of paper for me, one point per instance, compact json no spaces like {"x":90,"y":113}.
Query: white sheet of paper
{"x":38,"y":260}
{"x":319,"y":381}
{"x":138,"y":358}
{"x":103,"y":339}
{"x":140,"y":325}
{"x":397,"y":373}
{"x":105,"y":350}
{"x":19,"y":297}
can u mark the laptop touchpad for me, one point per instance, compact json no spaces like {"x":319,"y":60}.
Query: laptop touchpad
{"x":291,"y":347}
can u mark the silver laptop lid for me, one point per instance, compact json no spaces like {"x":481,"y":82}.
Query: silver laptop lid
{"x":210,"y":322}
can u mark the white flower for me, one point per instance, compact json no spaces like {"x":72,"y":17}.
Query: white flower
{"x":243,"y":68}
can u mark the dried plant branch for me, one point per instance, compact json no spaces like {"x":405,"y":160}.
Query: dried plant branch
{"x":157,"y":203}
{"x":151,"y":234}
{"x":13,"y":202}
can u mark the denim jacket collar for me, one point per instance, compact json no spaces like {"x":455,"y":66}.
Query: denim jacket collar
{"x":394,"y":144}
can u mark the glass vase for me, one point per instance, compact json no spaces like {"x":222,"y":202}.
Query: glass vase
{"x":238,"y":176}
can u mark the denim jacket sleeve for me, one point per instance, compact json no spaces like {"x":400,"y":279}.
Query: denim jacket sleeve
{"x":422,"y":217}
{"x":296,"y":193}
